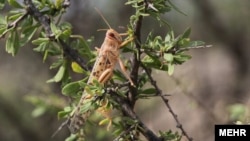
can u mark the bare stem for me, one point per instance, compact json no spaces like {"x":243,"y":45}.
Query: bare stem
{"x":165,"y":100}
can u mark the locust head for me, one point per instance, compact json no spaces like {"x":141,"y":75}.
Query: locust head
{"x":114,"y":36}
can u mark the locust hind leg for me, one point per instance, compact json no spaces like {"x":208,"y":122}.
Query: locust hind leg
{"x":124,"y":72}
{"x":103,"y":109}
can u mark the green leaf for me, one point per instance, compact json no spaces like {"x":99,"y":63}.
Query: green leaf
{"x":12,"y":43}
{"x":71,"y":88}
{"x":184,"y":42}
{"x":149,"y":91}
{"x":168,"y":57}
{"x":38,"y":111}
{"x":59,"y":75}
{"x":170,"y":68}
{"x":15,"y":4}
{"x":152,"y":61}
{"x":186,"y":33}
{"x":27,"y":34}
{"x":56,"y":64}
{"x":40,"y":41}
{"x":64,"y":113}
{"x":72,"y":137}
{"x":42,"y":47}
{"x":3,"y":21}
{"x":15,"y":16}
{"x":76,"y":68}
{"x":2,"y":3}
{"x":167,"y":38}
{"x":180,"y":58}
{"x":81,"y":44}
{"x":58,"y":4}
{"x":2,"y":30}
{"x":55,"y":30}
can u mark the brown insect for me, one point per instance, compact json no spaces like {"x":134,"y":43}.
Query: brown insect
{"x":108,"y":55}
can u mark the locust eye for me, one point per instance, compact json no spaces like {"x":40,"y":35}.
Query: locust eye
{"x":112,"y":35}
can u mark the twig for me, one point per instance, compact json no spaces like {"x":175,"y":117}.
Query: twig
{"x":174,"y":50}
{"x":60,"y":127}
{"x":136,"y":60}
{"x":14,"y":24}
{"x":201,"y":104}
{"x":124,"y":133}
{"x":165,"y":100}
{"x":45,"y":22}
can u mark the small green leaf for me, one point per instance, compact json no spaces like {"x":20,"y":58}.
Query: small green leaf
{"x":27,"y":34}
{"x":168,"y":57}
{"x":167,"y":38}
{"x":180,"y":58}
{"x":57,"y":63}
{"x":170,"y":69}
{"x":184,"y":42}
{"x":3,"y":21}
{"x":38,"y":111}
{"x":46,"y":53}
{"x":2,"y":30}
{"x":15,"y":16}
{"x":82,"y":45}
{"x":76,"y":68}
{"x":15,"y":4}
{"x":55,"y":29}
{"x":71,"y":89}
{"x":59,"y":75}
{"x":42,"y":47}
{"x":58,"y":4}
{"x":40,"y":40}
{"x":149,"y":91}
{"x":72,"y":137}
{"x":64,"y":113}
{"x":12,"y":43}
{"x":186,"y":33}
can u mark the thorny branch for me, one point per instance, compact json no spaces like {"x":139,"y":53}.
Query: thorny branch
{"x":126,"y":108}
{"x":165,"y":100}
{"x":45,"y":22}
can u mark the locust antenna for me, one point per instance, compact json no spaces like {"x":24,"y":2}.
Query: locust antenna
{"x":103,"y":18}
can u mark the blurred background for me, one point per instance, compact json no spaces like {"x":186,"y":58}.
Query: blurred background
{"x":211,"y":88}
